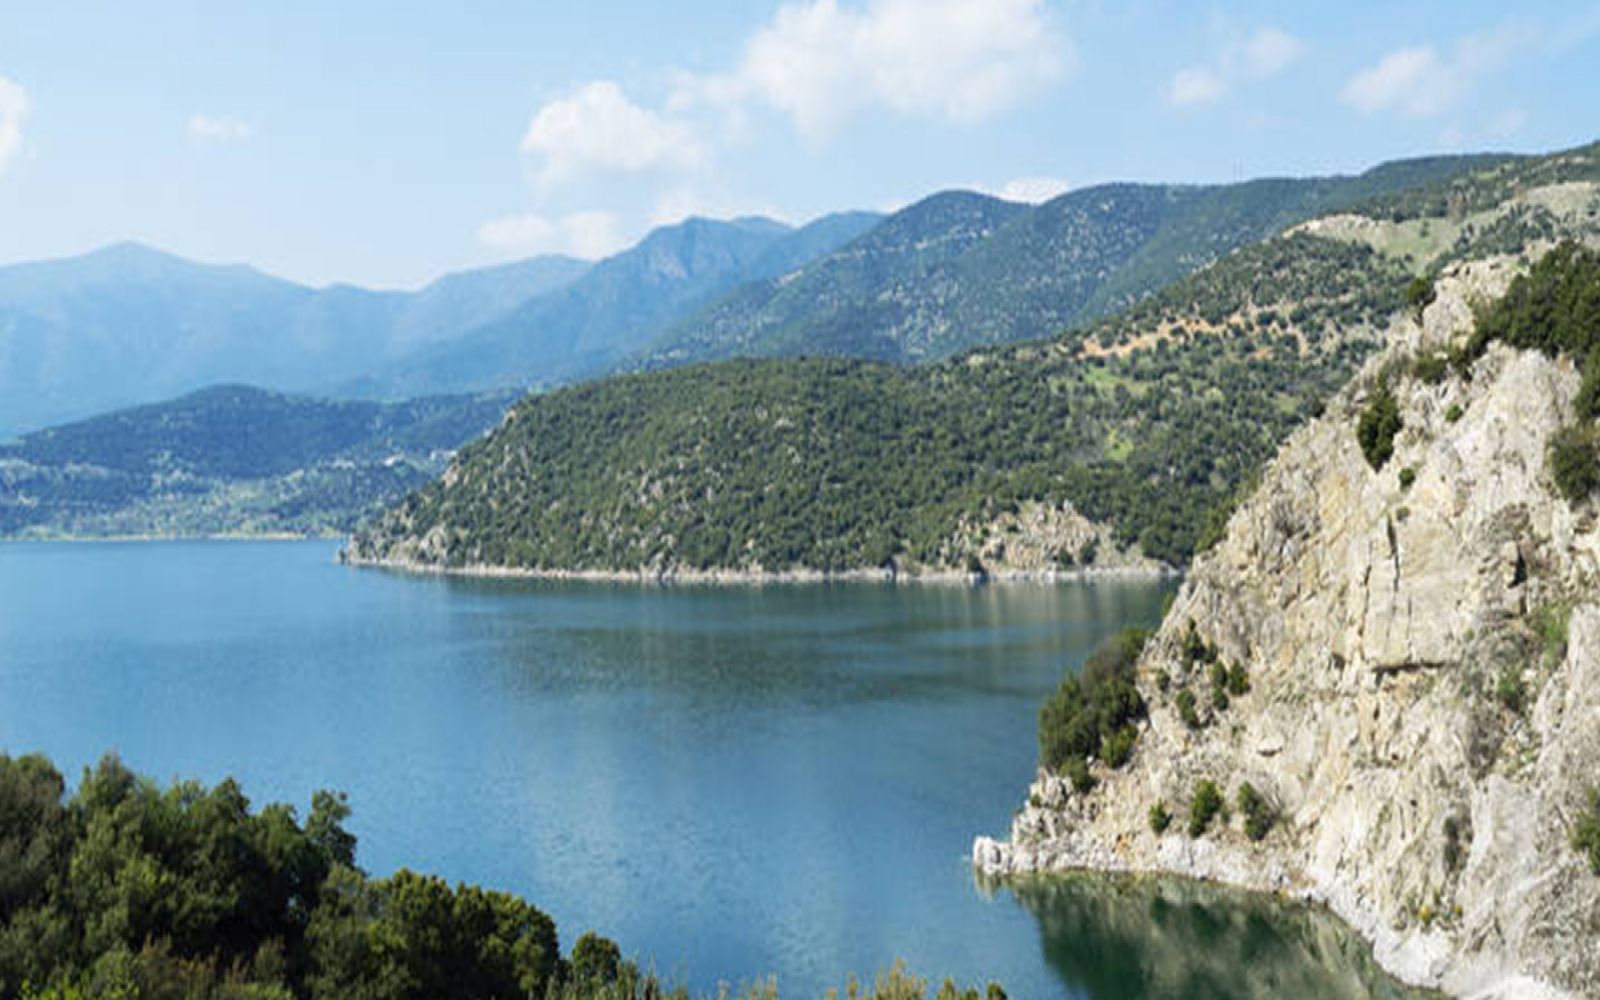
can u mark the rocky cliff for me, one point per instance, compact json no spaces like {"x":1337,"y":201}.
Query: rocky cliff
{"x":1422,"y":647}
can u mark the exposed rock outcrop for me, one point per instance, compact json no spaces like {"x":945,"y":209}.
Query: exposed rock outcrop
{"x":1423,"y":649}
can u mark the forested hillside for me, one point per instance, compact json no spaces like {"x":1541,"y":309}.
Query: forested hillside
{"x":232,"y":459}
{"x":959,"y":270}
{"x":1150,"y":422}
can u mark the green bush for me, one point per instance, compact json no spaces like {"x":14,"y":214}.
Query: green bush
{"x":1574,"y":461}
{"x":1586,"y":832}
{"x":1408,"y":476}
{"x":1238,"y":680}
{"x":1431,"y":368}
{"x":1420,"y":294}
{"x":1453,"y":413}
{"x":1184,"y":699}
{"x":1259,"y":814}
{"x":1100,"y":704}
{"x":1118,"y":747}
{"x":1204,"y":806}
{"x":1509,"y":689}
{"x":1457,"y":835}
{"x":1077,"y":771}
{"x":1160,"y":819}
{"x":1378,"y":425}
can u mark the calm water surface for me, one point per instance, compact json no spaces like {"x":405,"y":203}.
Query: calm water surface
{"x":729,"y":781}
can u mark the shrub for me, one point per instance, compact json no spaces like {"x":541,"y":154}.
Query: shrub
{"x":1219,"y":686}
{"x":1118,"y":747}
{"x":1509,"y":689}
{"x":1077,"y":772}
{"x":1457,"y":834}
{"x":1259,"y":814}
{"x":1238,"y":680}
{"x":1586,"y":832}
{"x":1574,"y":462}
{"x":1186,"y":708}
{"x":1453,"y":413}
{"x":1160,"y":819}
{"x":1204,"y":806}
{"x":1099,"y":703}
{"x":1408,"y":475}
{"x":1379,"y":423}
{"x":1431,"y":368}
{"x":1420,"y":294}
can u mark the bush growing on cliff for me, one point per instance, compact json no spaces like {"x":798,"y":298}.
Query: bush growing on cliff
{"x":1574,"y":461}
{"x":1378,"y":425}
{"x":1586,"y":832}
{"x":1160,"y":819}
{"x":1259,"y":814}
{"x":1093,"y":714}
{"x":1184,"y":699}
{"x":1204,"y":806}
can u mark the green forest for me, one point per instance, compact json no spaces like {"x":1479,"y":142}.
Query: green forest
{"x":126,"y":889}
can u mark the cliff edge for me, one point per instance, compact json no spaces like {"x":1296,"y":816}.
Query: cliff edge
{"x":1402,"y":664}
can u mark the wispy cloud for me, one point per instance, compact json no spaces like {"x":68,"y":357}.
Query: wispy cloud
{"x":14,"y":109}
{"x":590,"y":235}
{"x":1419,"y":81}
{"x":1261,"y":55}
{"x":220,"y":129}
{"x":820,"y":63}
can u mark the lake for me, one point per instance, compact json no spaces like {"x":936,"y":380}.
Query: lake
{"x":729,"y":781}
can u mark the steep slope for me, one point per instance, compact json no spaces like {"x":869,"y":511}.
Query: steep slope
{"x":1396,"y":648}
{"x":808,"y":465}
{"x":1109,"y":445}
{"x":232,"y":459}
{"x":960,"y":269}
{"x":129,"y":324}
{"x":615,"y":309}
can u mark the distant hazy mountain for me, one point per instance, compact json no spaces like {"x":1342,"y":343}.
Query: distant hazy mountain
{"x":232,"y":459}
{"x":960,"y":269}
{"x":129,"y":324}
{"x":617,"y":309}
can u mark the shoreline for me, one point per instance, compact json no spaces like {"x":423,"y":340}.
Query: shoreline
{"x":241,"y":536}
{"x":732,"y":577}
{"x":1423,"y":961}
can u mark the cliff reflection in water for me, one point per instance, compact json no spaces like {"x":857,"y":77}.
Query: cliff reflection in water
{"x":1142,"y":938}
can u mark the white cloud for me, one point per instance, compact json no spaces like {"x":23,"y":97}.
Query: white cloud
{"x":960,"y":60}
{"x":1195,"y":86}
{"x":14,"y":108}
{"x":1260,"y":56}
{"x":597,"y":129}
{"x":1419,"y":82}
{"x":220,"y":129}
{"x":590,"y":235}
{"x":1033,"y":190}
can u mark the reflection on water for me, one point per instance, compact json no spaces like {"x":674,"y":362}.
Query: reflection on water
{"x":731,"y":781}
{"x":1143,"y":938}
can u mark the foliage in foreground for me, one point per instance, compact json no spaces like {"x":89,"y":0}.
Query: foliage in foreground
{"x":132,"y":891}
{"x":1094,"y":713}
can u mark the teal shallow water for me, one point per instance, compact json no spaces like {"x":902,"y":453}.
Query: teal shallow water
{"x":730,"y":781}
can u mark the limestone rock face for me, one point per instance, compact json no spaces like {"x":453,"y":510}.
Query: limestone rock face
{"x":1423,"y":649}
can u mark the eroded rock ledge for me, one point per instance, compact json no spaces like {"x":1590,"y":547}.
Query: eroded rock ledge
{"x":1387,"y":620}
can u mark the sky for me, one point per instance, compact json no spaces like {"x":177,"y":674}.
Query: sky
{"x":387,"y":143}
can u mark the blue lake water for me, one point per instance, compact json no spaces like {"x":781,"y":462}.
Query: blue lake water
{"x":731,"y":782}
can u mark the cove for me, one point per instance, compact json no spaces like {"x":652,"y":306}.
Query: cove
{"x":730,"y":781}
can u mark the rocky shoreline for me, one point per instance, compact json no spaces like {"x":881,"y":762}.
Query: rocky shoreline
{"x":1422,"y":712}
{"x":734,"y":577}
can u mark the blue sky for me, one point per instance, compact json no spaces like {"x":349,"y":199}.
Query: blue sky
{"x":386,"y":143}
